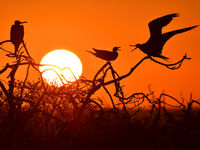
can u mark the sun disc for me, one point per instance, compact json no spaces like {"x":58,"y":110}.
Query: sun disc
{"x":60,"y":67}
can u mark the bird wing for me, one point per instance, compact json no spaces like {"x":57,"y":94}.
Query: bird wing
{"x":155,"y":26}
{"x":17,"y":33}
{"x":21,"y":33}
{"x":168,"y":35}
{"x":12,"y":33}
{"x":102,"y":52}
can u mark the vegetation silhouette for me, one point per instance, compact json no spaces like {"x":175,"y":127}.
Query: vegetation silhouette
{"x":106,"y":55}
{"x":154,"y":46}
{"x":35,"y":115}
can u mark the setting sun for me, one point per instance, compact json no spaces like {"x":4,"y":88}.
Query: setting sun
{"x":60,"y":67}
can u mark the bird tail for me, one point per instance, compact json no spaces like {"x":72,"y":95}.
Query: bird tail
{"x":91,"y":52}
{"x":163,"y":57}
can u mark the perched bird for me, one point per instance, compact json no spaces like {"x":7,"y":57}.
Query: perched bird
{"x":17,"y":34}
{"x":154,"y":46}
{"x":106,"y":55}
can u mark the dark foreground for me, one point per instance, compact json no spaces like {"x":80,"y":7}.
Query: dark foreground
{"x":171,"y":130}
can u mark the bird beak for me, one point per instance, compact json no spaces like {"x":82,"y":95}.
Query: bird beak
{"x":134,"y":48}
{"x":23,"y":22}
{"x":132,"y":45}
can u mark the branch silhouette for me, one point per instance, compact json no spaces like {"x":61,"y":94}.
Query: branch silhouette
{"x":172,"y":66}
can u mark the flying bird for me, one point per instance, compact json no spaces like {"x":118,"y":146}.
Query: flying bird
{"x":154,"y":46}
{"x":17,"y":34}
{"x":106,"y":55}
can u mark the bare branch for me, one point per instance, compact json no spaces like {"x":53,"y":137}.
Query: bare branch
{"x":112,"y":101}
{"x":4,"y":42}
{"x":4,"y":89}
{"x":4,"y":69}
{"x":163,"y":94}
{"x":172,"y":66}
{"x":128,"y":74}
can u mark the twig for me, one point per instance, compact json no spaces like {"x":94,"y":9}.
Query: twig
{"x":170,"y":66}
{"x":4,"y":42}
{"x":112,"y":101}
{"x":128,"y":74}
{"x":163,"y":94}
{"x":4,"y":69}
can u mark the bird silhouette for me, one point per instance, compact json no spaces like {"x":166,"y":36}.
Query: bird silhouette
{"x":154,"y":46}
{"x":17,"y":34}
{"x":106,"y":55}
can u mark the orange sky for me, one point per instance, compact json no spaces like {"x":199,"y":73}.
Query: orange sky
{"x":102,"y":24}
